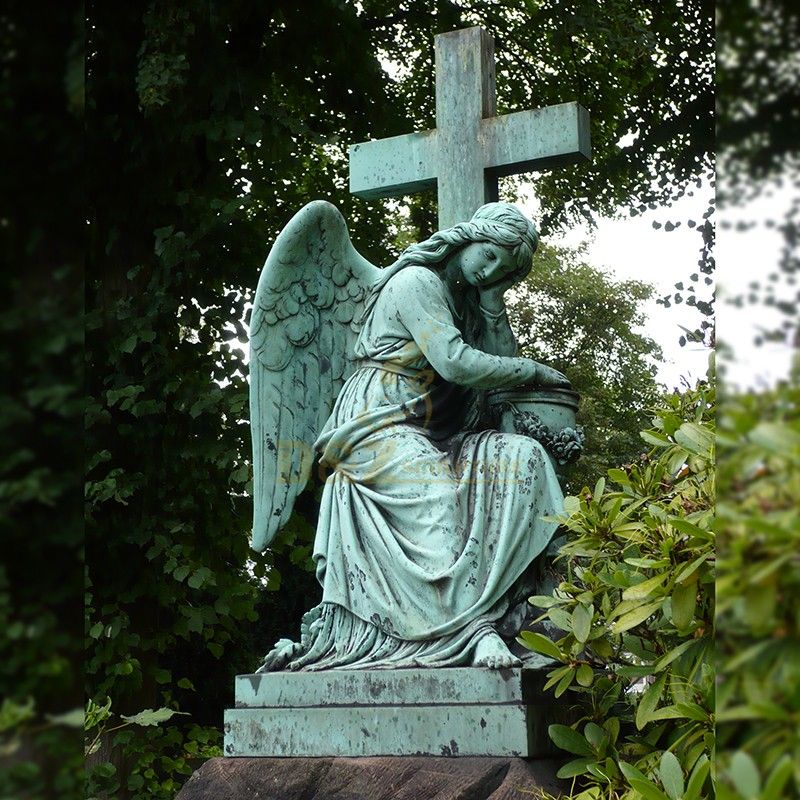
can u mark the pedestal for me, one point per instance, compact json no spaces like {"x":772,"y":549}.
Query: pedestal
{"x":410,"y":712}
{"x":379,"y":778}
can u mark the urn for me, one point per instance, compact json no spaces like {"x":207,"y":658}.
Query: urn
{"x":547,"y":415}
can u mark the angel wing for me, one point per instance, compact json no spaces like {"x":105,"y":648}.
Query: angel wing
{"x":302,"y":333}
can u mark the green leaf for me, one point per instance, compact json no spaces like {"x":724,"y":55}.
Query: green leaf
{"x":654,"y":437}
{"x":595,"y":735}
{"x":582,"y":621}
{"x":540,"y":644}
{"x":689,"y":528}
{"x":696,"y":439}
{"x":640,"y":782}
{"x":744,"y":775}
{"x":198,"y":578}
{"x":576,"y":767}
{"x":776,"y":437}
{"x":599,"y":488}
{"x":644,"y":589}
{"x":570,"y":740}
{"x":561,"y":619}
{"x":151,"y":717}
{"x":634,"y":618}
{"x":666,"y":712}
{"x":671,"y":775}
{"x":543,"y":600}
{"x":690,"y":569}
{"x":676,"y":652}
{"x":781,"y":772}
{"x":565,"y":682}
{"x":619,"y":476}
{"x":555,"y":676}
{"x":572,"y":505}
{"x":647,"y":563}
{"x":612,"y":726}
{"x":69,"y":719}
{"x":584,"y":675}
{"x":648,"y":702}
{"x":698,"y":778}
{"x":162,"y":675}
{"x":630,"y":772}
{"x":684,"y":598}
{"x":648,"y":790}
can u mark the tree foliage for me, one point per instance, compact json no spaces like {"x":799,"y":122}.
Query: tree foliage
{"x":40,"y":402}
{"x":635,"y":616}
{"x":644,"y":70}
{"x":187,"y":107}
{"x":758,"y":130}
{"x":209,"y":125}
{"x":573,"y":317}
{"x":758,"y":636}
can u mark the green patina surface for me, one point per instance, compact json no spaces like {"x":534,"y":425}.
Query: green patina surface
{"x":432,"y":514}
{"x":470,"y":147}
{"x":455,"y":685}
{"x":436,"y":512}
{"x":450,"y":712}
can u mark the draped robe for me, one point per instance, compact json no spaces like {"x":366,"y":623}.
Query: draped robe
{"x":426,"y":522}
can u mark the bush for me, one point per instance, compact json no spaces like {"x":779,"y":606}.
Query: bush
{"x":758,"y":703}
{"x":634,"y":616}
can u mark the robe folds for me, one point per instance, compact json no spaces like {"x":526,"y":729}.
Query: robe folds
{"x":426,"y":521}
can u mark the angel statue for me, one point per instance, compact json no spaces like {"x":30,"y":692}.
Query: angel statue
{"x":430,"y":520}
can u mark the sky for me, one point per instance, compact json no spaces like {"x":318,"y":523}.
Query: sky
{"x":631,"y":248}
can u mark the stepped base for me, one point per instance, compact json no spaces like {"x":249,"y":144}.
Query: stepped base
{"x":432,"y":712}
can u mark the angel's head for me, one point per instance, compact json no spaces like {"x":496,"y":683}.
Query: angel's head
{"x":511,"y":238}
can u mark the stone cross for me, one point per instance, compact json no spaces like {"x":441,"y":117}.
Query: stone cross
{"x":470,"y":147}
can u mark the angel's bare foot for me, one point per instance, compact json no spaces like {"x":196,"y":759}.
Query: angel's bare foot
{"x":491,"y":651}
{"x":284,"y":651}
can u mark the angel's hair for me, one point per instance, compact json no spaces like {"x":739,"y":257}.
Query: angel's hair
{"x":499,"y":223}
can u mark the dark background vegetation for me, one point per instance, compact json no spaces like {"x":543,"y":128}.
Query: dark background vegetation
{"x":187,"y":105}
{"x":209,"y":125}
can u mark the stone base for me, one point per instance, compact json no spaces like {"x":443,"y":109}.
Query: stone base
{"x":407,"y":778}
{"x":412,"y":712}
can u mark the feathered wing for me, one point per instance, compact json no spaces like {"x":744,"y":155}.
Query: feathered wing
{"x":302,"y":334}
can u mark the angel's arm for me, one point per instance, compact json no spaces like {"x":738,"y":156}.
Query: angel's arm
{"x":496,"y":334}
{"x":418,"y":296}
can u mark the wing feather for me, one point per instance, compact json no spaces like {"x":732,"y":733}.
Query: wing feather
{"x":302,"y":331}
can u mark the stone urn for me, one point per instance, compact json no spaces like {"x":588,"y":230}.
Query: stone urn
{"x":547,"y":415}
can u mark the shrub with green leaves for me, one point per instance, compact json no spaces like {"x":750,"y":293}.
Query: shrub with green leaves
{"x":758,"y":639}
{"x":633,"y":618}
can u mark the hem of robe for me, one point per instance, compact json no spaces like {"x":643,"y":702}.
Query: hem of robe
{"x":338,"y":639}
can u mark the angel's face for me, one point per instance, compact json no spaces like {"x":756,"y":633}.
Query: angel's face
{"x":483,"y":264}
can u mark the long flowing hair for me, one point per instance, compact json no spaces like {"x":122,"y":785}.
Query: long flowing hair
{"x":498,"y":223}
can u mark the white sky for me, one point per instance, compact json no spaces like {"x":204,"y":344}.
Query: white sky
{"x":631,"y":248}
{"x":743,"y":257}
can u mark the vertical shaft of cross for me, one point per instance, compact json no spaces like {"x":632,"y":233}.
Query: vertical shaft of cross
{"x":465,"y":94}
{"x":470,"y":147}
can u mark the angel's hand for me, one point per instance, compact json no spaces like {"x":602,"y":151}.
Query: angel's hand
{"x":547,"y":376}
{"x":491,"y":297}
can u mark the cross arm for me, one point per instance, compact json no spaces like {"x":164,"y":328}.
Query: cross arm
{"x":393,"y":167}
{"x":535,"y":140}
